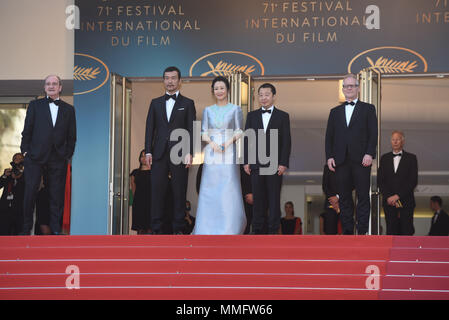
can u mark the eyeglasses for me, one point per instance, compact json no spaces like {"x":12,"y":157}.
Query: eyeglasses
{"x":350,"y":86}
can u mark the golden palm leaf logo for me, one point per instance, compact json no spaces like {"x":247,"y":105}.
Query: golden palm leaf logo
{"x":84,"y":73}
{"x":224,"y":63}
{"x":389,"y":59}
{"x":225,"y":69}
{"x":385,"y":65}
{"x":90,"y":72}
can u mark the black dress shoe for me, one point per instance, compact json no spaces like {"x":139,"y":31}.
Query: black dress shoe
{"x":24,"y":233}
{"x":178,"y":233}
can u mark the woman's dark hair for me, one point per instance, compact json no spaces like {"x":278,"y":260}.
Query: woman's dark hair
{"x":140,"y":154}
{"x":220,"y":79}
{"x":171,"y":69}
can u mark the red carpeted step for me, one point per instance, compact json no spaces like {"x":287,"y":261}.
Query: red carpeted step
{"x":189,"y":280}
{"x":413,"y":295}
{"x":192,"y":294}
{"x":420,"y":242}
{"x":412,"y":254}
{"x":340,"y":253}
{"x":416,"y":282}
{"x":265,"y":241}
{"x":189,"y":266}
{"x":418,"y":268}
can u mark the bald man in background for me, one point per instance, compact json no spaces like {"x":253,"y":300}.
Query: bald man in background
{"x":397,"y":179}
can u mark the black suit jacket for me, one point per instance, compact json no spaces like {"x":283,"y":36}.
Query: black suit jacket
{"x":159,"y":128}
{"x":403,"y":182}
{"x":440,"y":227}
{"x":355,"y":140}
{"x":280,"y":121}
{"x":39,"y":136}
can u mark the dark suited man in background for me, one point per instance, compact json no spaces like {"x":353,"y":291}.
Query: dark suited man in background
{"x":397,"y":180}
{"x":48,"y":141}
{"x":331,"y":204}
{"x":440,"y":221}
{"x":167,"y":113}
{"x":266,"y":188}
{"x":351,"y":141}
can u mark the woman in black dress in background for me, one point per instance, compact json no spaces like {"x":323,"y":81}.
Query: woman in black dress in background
{"x":290,"y":224}
{"x":141,"y":189}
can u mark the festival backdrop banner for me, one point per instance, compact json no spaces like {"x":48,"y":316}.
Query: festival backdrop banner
{"x":139,"y":38}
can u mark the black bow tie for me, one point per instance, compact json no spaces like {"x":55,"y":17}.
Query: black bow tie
{"x":352,"y":103}
{"x":268,"y":110}
{"x":167,"y":97}
{"x":397,"y":155}
{"x":56,"y":102}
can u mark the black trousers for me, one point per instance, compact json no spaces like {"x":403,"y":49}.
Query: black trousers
{"x":399,"y":220}
{"x":160,"y":169}
{"x":350,"y":175}
{"x":330,"y":217}
{"x":266,"y":192}
{"x":55,"y":170}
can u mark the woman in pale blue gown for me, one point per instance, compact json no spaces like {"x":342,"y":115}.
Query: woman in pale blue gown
{"x":220,"y":203}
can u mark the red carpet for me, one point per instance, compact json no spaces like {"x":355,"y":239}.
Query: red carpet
{"x":224,"y":267}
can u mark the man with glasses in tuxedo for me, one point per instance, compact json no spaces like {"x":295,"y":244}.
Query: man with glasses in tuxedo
{"x":350,"y":146}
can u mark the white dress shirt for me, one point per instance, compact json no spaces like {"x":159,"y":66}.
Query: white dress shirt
{"x":169,"y":104}
{"x":349,"y":110}
{"x":54,"y":111}
{"x":266,"y":118}
{"x":396,"y":161}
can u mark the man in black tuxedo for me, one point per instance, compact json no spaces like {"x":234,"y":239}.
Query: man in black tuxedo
{"x":440,"y":220}
{"x":266,"y":184}
{"x":48,"y":141}
{"x":167,"y":113}
{"x":397,"y":179}
{"x":351,"y":141}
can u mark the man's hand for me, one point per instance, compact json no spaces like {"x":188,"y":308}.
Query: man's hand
{"x":333,"y":200}
{"x":392,"y":201}
{"x":7,"y":172}
{"x":331,"y":164}
{"x":249,"y":198}
{"x":149,"y":160}
{"x":367,"y":160}
{"x":335,"y":204}
{"x":188,"y":160}
{"x":247,"y":169}
{"x":281,"y":170}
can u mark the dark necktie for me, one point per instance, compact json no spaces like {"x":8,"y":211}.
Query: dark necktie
{"x":268,"y":110}
{"x":168,"y":96}
{"x":56,"y":102}
{"x":350,"y":103}
{"x":397,"y":155}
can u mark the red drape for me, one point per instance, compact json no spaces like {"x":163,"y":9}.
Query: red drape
{"x":67,"y":200}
